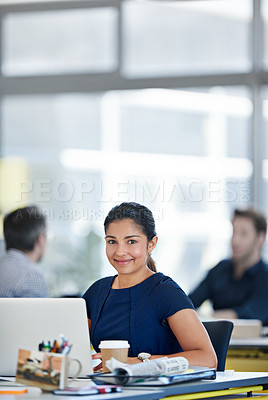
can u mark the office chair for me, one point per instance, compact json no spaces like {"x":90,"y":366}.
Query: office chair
{"x":220,"y":334}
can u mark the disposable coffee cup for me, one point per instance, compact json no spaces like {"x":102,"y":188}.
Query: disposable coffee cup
{"x":117,"y":349}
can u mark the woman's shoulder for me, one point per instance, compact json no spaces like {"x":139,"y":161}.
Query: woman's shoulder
{"x":98,"y":285}
{"x":166,"y":295}
{"x":162,"y":283}
{"x":104,"y":281}
{"x":164,"y":280}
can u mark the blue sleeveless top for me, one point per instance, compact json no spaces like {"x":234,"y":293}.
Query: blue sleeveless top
{"x":137,"y":314}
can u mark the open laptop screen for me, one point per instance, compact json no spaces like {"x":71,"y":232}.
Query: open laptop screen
{"x":25,"y":322}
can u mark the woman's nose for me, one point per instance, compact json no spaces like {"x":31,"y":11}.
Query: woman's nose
{"x":121,"y":249}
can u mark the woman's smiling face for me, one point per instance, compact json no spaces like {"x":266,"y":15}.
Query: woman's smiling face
{"x":127,"y":246}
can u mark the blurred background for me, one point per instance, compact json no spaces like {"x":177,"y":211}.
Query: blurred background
{"x":160,"y":102}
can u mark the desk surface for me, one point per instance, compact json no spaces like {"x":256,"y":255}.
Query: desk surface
{"x":126,"y":394}
{"x":248,"y":354}
{"x":223,"y":381}
{"x":256,"y":343}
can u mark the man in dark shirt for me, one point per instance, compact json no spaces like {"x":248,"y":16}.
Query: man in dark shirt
{"x":238,"y":287}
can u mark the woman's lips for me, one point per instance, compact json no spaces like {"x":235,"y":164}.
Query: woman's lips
{"x":123,"y":262}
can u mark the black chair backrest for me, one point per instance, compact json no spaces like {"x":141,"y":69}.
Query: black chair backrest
{"x":220,"y":334}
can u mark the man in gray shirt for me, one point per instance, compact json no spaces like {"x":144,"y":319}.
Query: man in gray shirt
{"x":25,"y":238}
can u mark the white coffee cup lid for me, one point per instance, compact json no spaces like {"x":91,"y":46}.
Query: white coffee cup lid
{"x":114,"y":344}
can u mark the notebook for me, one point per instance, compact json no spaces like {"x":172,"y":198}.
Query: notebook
{"x":120,"y":378}
{"x":25,"y":322}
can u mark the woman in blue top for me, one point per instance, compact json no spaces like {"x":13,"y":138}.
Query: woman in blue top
{"x":139,"y":304}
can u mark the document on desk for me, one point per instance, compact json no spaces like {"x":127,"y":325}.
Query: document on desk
{"x":141,"y":375}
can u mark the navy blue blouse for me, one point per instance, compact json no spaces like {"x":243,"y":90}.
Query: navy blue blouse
{"x":137,"y":314}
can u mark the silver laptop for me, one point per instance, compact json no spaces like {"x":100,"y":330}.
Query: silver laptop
{"x":25,"y":322}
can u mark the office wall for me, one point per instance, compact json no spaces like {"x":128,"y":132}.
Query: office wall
{"x":163,"y":103}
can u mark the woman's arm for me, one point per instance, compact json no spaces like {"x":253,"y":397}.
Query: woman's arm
{"x":193,"y":338}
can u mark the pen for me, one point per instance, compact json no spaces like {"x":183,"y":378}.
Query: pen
{"x":61,"y":346}
{"x":56,"y":347}
{"x":13,"y":390}
{"x":87,"y":390}
{"x":41,"y":346}
{"x":66,"y":349}
{"x":46,"y":347}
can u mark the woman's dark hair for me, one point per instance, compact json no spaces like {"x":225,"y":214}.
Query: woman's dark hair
{"x":141,"y":216}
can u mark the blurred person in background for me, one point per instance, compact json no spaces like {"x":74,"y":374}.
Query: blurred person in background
{"x":25,"y":240}
{"x":237,"y":287}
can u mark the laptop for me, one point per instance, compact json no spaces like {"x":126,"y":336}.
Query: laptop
{"x":26,"y":322}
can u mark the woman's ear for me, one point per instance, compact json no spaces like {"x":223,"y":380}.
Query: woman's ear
{"x":152,"y":244}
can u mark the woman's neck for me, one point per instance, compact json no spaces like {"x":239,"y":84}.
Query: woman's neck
{"x":122,"y":281}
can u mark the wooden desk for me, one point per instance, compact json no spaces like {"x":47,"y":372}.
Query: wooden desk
{"x":248,"y":354}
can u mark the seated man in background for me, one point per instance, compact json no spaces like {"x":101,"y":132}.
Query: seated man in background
{"x":25,"y":239}
{"x":238,"y":287}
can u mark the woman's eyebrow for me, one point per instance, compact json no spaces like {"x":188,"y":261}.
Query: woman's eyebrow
{"x":131,"y":236}
{"x":126,"y":237}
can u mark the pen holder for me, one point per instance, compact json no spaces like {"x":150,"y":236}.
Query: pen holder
{"x":49,"y":371}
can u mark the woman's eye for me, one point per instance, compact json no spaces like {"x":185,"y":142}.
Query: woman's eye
{"x":131,"y":241}
{"x":111,"y":241}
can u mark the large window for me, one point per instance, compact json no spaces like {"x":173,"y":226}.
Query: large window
{"x":59,"y":42}
{"x":179,"y":40}
{"x":111,"y":101}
